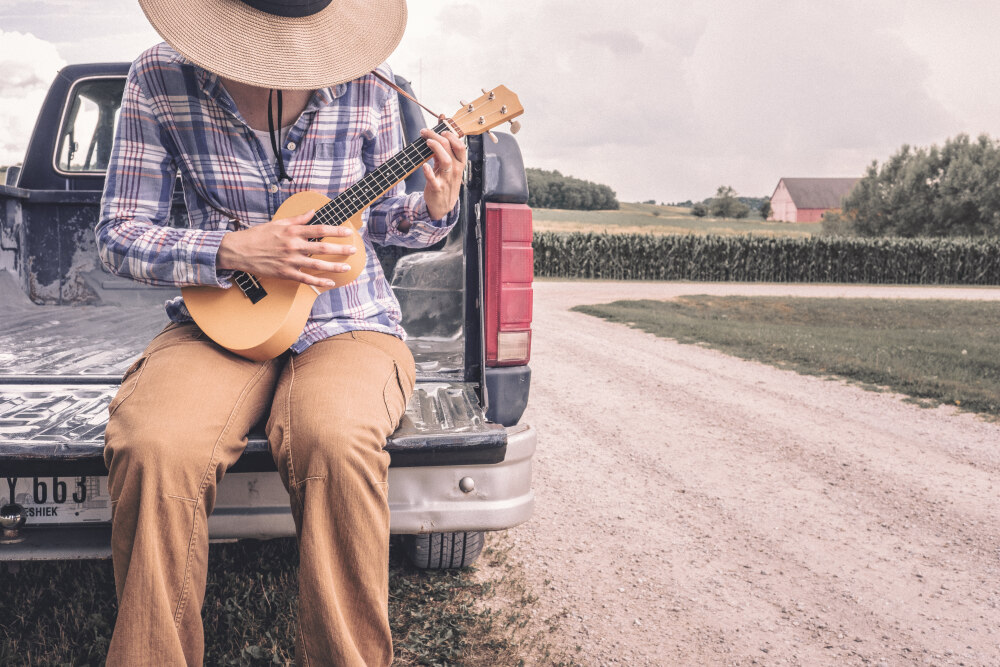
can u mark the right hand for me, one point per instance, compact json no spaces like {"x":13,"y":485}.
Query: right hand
{"x":282,"y":249}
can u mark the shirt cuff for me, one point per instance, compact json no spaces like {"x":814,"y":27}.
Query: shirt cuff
{"x":200,"y":251}
{"x":421,"y":214}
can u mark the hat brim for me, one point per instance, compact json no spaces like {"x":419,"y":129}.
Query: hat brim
{"x":342,"y":42}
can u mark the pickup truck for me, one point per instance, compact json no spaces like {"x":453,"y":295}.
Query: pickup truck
{"x":461,"y":462}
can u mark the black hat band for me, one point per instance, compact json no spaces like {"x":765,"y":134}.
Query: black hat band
{"x":289,"y":8}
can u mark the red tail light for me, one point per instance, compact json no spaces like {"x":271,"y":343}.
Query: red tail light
{"x":510,"y":268}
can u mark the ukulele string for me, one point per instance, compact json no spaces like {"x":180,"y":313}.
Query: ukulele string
{"x":414,"y":153}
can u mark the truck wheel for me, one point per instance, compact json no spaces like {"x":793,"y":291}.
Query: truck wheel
{"x":443,"y":551}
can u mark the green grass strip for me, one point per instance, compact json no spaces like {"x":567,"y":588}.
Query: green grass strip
{"x":938,"y":351}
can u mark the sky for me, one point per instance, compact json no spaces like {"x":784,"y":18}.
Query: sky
{"x":660,"y":99}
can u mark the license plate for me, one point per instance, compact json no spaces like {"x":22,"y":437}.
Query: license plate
{"x":53,"y":500}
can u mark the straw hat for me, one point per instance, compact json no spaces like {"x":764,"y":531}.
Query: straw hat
{"x":290,"y":44}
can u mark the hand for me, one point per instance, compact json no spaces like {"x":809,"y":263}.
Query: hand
{"x":444,"y":180}
{"x":282,"y":249}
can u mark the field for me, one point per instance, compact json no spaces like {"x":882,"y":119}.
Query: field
{"x":934,"y":351}
{"x":654,"y":219}
{"x":749,"y":258}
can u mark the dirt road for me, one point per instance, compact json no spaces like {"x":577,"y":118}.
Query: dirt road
{"x":698,"y":509}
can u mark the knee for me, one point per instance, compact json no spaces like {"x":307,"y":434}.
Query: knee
{"x":136,"y":451}
{"x":335,"y":451}
{"x":152,"y":460}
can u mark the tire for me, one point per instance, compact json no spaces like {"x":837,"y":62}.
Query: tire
{"x":443,"y":551}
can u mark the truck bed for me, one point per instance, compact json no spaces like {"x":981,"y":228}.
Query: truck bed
{"x":60,"y":366}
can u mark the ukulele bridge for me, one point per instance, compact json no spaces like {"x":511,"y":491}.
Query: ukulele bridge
{"x":250,"y":286}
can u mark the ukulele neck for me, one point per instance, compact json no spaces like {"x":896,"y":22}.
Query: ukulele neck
{"x":362,"y":194}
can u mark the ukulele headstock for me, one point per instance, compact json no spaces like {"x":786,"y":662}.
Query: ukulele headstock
{"x":484,"y":113}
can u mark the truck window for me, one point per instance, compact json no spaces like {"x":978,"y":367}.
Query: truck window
{"x":88,"y":127}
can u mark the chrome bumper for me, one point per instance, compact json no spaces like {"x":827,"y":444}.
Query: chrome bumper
{"x":255,"y":505}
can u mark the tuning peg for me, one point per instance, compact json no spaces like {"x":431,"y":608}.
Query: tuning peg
{"x":515,"y":126}
{"x":463,"y":103}
{"x":493,"y":137}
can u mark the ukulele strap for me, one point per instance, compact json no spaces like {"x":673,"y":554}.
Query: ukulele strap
{"x":282,"y":174}
{"x":391,"y":84}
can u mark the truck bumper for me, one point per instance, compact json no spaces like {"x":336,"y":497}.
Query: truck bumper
{"x":423,"y":499}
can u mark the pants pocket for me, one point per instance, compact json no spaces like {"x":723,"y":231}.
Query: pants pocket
{"x":129,"y":382}
{"x":395,"y":394}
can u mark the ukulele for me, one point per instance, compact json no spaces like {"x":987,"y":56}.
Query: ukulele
{"x":260,"y":317}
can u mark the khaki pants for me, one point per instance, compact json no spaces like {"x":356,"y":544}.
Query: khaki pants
{"x":180,"y":419}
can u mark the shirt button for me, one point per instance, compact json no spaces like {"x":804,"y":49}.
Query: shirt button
{"x":273,"y":188}
{"x":291,"y":145}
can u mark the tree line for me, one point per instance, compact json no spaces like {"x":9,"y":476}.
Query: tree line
{"x":952,"y":190}
{"x":550,"y":189}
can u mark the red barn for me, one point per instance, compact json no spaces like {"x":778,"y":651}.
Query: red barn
{"x":806,"y":199}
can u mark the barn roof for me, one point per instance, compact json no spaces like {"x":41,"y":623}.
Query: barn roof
{"x":818,"y":192}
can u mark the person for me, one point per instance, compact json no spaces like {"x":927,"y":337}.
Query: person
{"x":199,"y":106}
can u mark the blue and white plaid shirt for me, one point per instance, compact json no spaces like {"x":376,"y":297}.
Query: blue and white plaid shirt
{"x":176,"y":116}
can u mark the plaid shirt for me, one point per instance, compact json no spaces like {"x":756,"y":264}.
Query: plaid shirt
{"x":176,"y":116}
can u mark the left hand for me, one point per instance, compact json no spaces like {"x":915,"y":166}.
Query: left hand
{"x":444,"y":179}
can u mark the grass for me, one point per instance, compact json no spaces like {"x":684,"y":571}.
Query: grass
{"x":63,"y":612}
{"x":932,"y":350}
{"x":654,"y":219}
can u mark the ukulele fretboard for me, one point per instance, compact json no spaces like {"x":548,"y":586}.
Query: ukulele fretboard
{"x":362,"y":194}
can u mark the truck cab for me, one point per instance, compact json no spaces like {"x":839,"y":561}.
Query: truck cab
{"x":69,"y":329}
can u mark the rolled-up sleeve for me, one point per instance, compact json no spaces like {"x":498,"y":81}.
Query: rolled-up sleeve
{"x":396,"y":207}
{"x":133,"y":236}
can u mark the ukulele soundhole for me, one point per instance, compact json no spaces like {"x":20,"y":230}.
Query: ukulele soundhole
{"x":250,"y":286}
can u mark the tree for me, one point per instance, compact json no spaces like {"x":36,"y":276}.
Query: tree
{"x":765,"y":209}
{"x":952,"y":190}
{"x":835,"y":223}
{"x":699,"y":210}
{"x":550,"y":189}
{"x":726,"y":205}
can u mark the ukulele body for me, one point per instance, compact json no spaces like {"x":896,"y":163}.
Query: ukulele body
{"x":265,"y":329}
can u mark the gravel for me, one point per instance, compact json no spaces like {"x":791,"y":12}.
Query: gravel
{"x":695,"y":508}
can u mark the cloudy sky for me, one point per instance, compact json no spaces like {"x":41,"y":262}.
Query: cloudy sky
{"x":660,"y":99}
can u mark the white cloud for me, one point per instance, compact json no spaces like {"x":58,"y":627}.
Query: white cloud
{"x":602,"y":88}
{"x":958,"y":43}
{"x":820,"y":93}
{"x":671,"y":99}
{"x":662,"y":99}
{"x":27,"y":67}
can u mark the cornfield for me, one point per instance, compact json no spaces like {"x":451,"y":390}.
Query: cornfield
{"x":763,"y":259}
